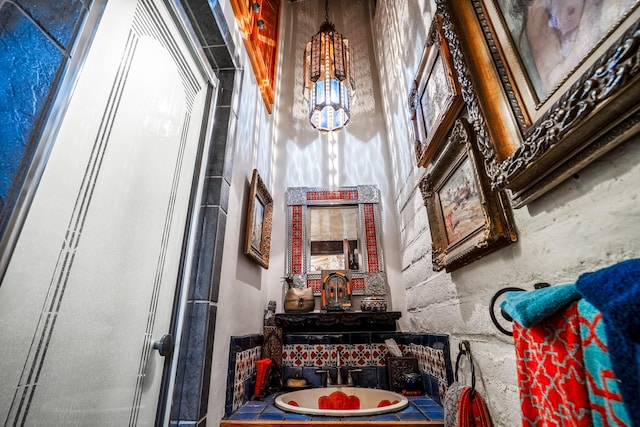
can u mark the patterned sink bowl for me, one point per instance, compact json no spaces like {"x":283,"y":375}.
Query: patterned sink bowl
{"x":341,"y":401}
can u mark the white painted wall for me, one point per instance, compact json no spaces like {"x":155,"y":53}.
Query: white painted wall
{"x":589,"y":222}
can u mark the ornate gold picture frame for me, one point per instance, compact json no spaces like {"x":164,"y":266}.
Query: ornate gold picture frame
{"x":435,"y":99}
{"x":534,"y":135}
{"x":259,"y":219}
{"x":467,"y":219}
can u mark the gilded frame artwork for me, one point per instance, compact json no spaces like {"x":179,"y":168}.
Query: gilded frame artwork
{"x":259,"y":220}
{"x":435,"y":99}
{"x":467,"y":219}
{"x":536,"y":129}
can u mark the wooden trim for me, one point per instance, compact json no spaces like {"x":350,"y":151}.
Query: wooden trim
{"x":261,"y":44}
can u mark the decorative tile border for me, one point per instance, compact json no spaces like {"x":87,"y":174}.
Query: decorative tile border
{"x":318,"y":355}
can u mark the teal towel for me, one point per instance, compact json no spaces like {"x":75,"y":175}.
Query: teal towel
{"x":529,"y":308}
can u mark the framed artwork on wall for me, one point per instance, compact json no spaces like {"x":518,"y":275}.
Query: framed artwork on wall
{"x":259,"y":219}
{"x":435,"y":99}
{"x":467,"y":219}
{"x":548,"y":88}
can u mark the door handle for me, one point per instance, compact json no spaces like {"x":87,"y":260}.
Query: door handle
{"x":164,"y":345}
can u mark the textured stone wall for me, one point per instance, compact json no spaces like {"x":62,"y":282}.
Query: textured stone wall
{"x":588,"y":222}
{"x":36,"y":41}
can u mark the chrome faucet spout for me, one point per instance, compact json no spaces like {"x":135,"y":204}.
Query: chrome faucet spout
{"x":339,"y":380}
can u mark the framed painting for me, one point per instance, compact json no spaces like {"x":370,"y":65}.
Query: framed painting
{"x":549,"y":85}
{"x":435,"y":99}
{"x":259,"y":219}
{"x":467,"y":219}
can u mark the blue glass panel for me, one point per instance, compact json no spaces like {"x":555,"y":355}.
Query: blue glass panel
{"x":29,"y":62}
{"x":320,"y":95}
{"x":335,"y":92}
{"x":339,"y":119}
{"x":57,"y":17}
{"x":324,"y":120}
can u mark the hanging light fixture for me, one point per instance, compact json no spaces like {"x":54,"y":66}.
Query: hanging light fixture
{"x":328,"y":81}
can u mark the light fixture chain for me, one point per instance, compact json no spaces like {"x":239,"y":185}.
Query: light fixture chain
{"x":326,"y":10}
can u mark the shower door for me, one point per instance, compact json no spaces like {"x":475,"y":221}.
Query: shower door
{"x":95,"y":273}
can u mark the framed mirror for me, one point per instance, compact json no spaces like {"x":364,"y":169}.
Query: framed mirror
{"x":335,"y":229}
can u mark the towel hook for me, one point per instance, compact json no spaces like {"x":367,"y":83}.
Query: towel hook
{"x":464,"y":348}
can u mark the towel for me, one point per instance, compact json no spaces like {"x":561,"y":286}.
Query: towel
{"x":263,"y":366}
{"x":615,"y":292}
{"x":529,"y":308}
{"x":607,"y":408}
{"x":472,"y":411}
{"x":551,"y":373}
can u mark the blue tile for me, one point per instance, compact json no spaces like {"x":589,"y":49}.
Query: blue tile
{"x":314,"y":378}
{"x":368,"y":378}
{"x":30,"y":62}
{"x":292,"y":416}
{"x":421,"y":401}
{"x":360,"y":338}
{"x":435,"y":413}
{"x":249,"y":410}
{"x":409,"y":410}
{"x":271,"y":416}
{"x":385,"y":417}
{"x":411,"y":416}
{"x":59,"y":18}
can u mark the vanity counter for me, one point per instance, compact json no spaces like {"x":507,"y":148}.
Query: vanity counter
{"x":343,"y":321}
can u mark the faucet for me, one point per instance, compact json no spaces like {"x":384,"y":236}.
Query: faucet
{"x":338,"y":369}
{"x":339,"y":379}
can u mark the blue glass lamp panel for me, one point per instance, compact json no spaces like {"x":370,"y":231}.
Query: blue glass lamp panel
{"x":337,"y":120}
{"x":29,"y":61}
{"x":335,"y":91}
{"x":320,"y":93}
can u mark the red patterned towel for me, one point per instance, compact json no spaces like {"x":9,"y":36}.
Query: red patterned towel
{"x":472,"y":411}
{"x":551,"y":372}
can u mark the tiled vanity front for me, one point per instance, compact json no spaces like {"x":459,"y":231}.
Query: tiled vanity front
{"x":305,"y":353}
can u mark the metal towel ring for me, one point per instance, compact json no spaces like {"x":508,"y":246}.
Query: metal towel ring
{"x":504,"y":314}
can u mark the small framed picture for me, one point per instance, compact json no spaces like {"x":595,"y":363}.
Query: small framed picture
{"x":435,"y":99}
{"x":259,"y":218}
{"x":466,"y":218}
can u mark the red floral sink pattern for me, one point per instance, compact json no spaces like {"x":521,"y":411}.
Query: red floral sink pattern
{"x":341,"y":401}
{"x":386,"y":402}
{"x":338,"y":400}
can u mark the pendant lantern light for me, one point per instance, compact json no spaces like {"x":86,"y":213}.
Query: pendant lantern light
{"x":329,"y":88}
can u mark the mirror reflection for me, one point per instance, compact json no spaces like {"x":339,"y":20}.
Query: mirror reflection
{"x":333,"y":238}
